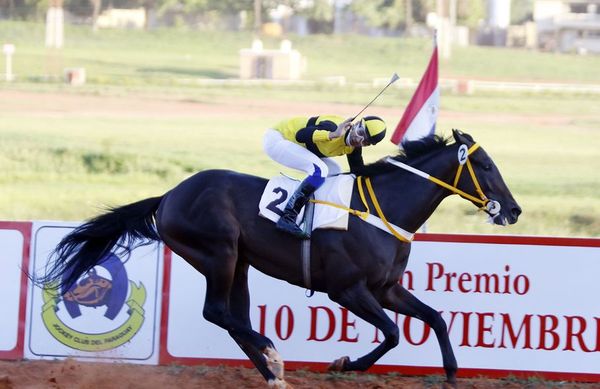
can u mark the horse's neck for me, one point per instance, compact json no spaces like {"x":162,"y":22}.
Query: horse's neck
{"x":409,"y":199}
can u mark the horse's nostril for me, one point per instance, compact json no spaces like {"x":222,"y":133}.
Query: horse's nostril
{"x":516,"y":211}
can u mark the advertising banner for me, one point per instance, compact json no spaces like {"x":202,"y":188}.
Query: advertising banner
{"x":14,"y":259}
{"x":111,"y":314}
{"x":511,"y":304}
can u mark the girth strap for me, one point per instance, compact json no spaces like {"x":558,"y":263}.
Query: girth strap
{"x":305,"y":247}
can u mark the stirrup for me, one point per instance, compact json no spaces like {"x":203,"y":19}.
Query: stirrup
{"x":291,"y":228}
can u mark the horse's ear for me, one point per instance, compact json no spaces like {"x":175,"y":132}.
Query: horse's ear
{"x":455,"y":134}
{"x":461,"y":137}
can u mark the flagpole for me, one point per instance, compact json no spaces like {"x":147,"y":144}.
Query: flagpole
{"x":423,"y":229}
{"x":420,"y":115}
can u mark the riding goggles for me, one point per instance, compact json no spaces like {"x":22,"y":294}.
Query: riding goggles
{"x":358,"y":133}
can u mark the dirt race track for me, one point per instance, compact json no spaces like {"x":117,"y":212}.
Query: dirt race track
{"x":72,"y":374}
{"x":49,"y":105}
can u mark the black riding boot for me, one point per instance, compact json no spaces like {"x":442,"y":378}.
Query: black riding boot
{"x":287,"y":222}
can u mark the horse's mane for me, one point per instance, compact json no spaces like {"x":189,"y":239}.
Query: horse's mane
{"x":410,"y":151}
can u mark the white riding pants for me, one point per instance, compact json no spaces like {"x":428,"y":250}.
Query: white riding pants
{"x":297,"y":157}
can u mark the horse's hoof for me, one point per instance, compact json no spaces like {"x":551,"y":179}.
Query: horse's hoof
{"x":339,"y":364}
{"x":279,"y":384}
{"x":274,"y":362}
{"x":449,"y":385}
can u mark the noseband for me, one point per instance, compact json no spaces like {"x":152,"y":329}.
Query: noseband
{"x":491,"y":206}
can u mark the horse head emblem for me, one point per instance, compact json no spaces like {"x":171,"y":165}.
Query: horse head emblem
{"x":96,"y":291}
{"x":91,"y":291}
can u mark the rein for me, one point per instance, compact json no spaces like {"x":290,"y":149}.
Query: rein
{"x":491,"y":206}
{"x":463,"y":159}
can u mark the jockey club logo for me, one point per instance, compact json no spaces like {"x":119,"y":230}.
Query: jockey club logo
{"x":95,"y":291}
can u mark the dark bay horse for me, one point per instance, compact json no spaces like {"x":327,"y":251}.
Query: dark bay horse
{"x":211,"y":220}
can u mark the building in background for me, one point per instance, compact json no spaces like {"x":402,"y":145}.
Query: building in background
{"x":568,"y":26}
{"x":495,"y":27}
{"x":122,"y":18}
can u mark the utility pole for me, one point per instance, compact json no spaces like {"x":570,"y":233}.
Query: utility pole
{"x":8,"y":49}
{"x":337,"y":17}
{"x":54,"y":38}
{"x":97,"y":4}
{"x":446,"y":15}
{"x":55,"y":24}
{"x":409,"y":14}
{"x":257,"y":16}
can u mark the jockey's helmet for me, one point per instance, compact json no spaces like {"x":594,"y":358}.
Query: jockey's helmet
{"x":367,"y":131}
{"x":375,"y":129}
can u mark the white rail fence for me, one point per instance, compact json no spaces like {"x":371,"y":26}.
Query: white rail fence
{"x":453,"y":85}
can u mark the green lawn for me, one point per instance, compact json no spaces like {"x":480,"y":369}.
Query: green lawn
{"x":165,"y":55}
{"x":67,"y":166}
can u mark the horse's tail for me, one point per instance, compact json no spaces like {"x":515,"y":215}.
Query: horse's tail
{"x":127,"y":227}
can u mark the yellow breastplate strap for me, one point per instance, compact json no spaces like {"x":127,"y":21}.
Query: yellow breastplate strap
{"x":365,"y":214}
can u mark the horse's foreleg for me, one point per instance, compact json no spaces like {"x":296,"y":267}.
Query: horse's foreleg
{"x":360,"y":301}
{"x":399,"y":300}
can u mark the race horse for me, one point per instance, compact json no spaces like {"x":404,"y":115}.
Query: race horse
{"x":211,"y":220}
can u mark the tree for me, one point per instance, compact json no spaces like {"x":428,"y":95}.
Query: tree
{"x":421,"y":8}
{"x":521,"y":11}
{"x":319,"y":13}
{"x":192,"y":10}
{"x":390,"y":14}
{"x":23,"y":9}
{"x":470,"y":12}
{"x":78,"y":7}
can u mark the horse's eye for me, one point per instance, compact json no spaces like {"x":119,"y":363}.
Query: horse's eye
{"x":487,"y":167}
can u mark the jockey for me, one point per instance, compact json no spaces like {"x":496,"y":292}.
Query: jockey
{"x":307,"y":144}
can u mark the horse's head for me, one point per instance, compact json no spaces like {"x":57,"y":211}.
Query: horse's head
{"x":483,"y":181}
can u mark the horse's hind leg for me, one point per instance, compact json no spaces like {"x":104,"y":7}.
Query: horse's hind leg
{"x":219,"y":280}
{"x":217,"y":260}
{"x":399,"y":300}
{"x":255,"y":345}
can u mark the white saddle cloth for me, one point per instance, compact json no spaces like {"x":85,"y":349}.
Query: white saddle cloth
{"x":337,"y":189}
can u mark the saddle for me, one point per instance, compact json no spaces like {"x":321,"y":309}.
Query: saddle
{"x":335,"y":190}
{"x":331,"y":210}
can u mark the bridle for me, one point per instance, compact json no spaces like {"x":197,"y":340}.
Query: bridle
{"x":492,"y":207}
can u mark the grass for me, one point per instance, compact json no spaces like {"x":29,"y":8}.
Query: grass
{"x":433,"y":381}
{"x":164,"y":56}
{"x":536,"y":382}
{"x":67,"y":166}
{"x":80,"y":163}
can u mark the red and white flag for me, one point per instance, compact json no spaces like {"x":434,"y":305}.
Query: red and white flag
{"x":420,"y":115}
